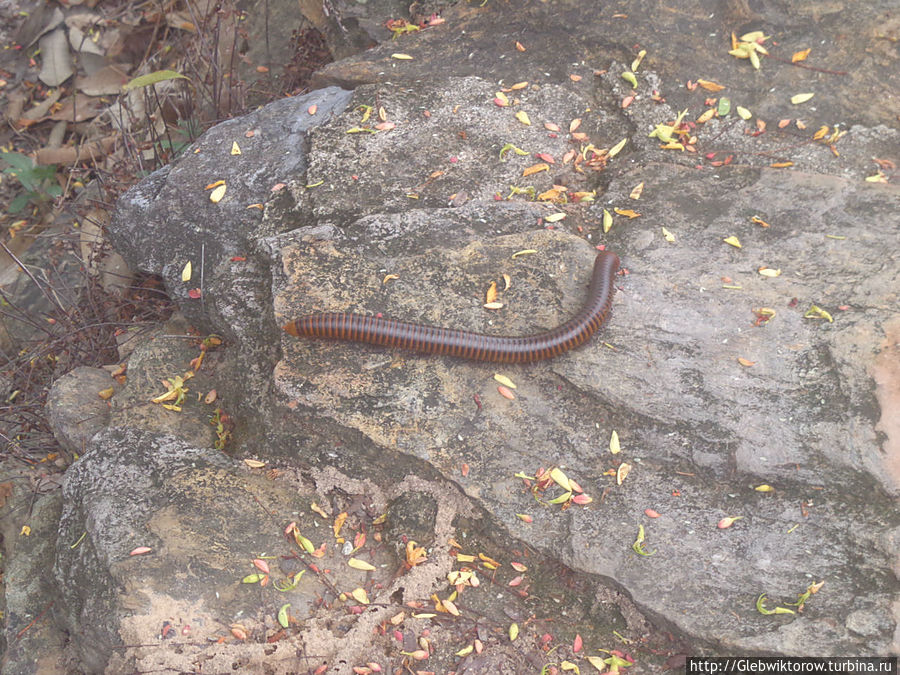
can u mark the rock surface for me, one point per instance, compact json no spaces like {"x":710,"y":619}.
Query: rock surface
{"x":753,"y":382}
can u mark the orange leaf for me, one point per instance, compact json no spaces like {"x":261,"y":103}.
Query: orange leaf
{"x":536,"y":168}
{"x":339,"y":522}
{"x":710,"y":86}
{"x":800,"y":56}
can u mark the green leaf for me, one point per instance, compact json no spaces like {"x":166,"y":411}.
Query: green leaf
{"x":18,"y":161}
{"x":285,"y":586}
{"x":153,"y":78}
{"x":253,"y":578}
{"x":18,"y":203}
{"x":283,"y":616}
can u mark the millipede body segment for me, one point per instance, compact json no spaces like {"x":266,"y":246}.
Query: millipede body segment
{"x":468,"y":345}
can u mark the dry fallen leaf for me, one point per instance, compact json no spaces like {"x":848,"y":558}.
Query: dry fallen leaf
{"x":709,"y":85}
{"x":491,"y":294}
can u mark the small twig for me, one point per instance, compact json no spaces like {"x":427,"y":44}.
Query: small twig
{"x":33,"y":621}
{"x":803,"y":65}
{"x":31,"y":276}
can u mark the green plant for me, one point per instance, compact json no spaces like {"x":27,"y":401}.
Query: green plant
{"x":39,"y":181}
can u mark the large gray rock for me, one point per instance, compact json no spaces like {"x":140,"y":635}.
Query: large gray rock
{"x":76,"y":410}
{"x":700,"y":429}
{"x":168,"y":220}
{"x":717,"y":379}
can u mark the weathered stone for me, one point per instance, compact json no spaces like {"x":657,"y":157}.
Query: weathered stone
{"x":76,"y":410}
{"x":168,"y":220}
{"x":717,"y":379}
{"x":34,"y":645}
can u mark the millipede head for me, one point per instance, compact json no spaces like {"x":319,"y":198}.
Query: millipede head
{"x":291,"y":328}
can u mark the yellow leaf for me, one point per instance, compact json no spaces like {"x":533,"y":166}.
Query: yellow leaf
{"x":186,"y":272}
{"x":450,"y":607}
{"x":465,"y":651}
{"x":216,"y":195}
{"x":636,"y":192}
{"x":389,"y":277}
{"x":554,"y":217}
{"x":607,"y":221}
{"x":574,"y":124}
{"x":743,"y":113}
{"x":622,"y":472}
{"x":710,"y":86}
{"x":513,"y":631}
{"x":754,"y":36}
{"x":754,"y":59}
{"x":781,"y":165}
{"x":493,"y":305}
{"x":597,"y":662}
{"x":818,"y":313}
{"x":797,"y":99}
{"x":235,"y":148}
{"x":25,"y":531}
{"x":617,"y":148}
{"x":769,"y":272}
{"x":614,"y":446}
{"x":401,"y":57}
{"x":637,"y":62}
{"x":706,"y":116}
{"x":800,"y":56}
{"x":527,"y":251}
{"x":668,"y":235}
{"x":106,"y":394}
{"x":358,"y":564}
{"x":522,"y":116}
{"x":560,"y":478}
{"x":360,"y":595}
{"x":745,"y":362}
{"x":732,"y":241}
{"x":504,"y":380}
{"x":254,"y":463}
{"x":764,"y":488}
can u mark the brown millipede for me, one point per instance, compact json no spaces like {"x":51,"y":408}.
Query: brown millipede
{"x":467,"y":345}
